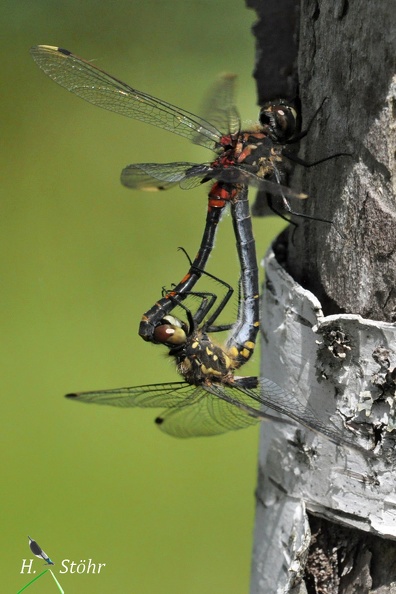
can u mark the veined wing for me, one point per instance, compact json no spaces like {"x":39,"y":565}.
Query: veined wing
{"x":192,"y":411}
{"x":161,"y":176}
{"x":208,"y":415}
{"x":219,"y":105}
{"x":145,"y":176}
{"x":96,"y":86}
{"x":151,"y":396}
{"x":269,"y":394}
{"x":217,"y":408}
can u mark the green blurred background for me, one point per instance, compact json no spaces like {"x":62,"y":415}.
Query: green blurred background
{"x":82,"y":259}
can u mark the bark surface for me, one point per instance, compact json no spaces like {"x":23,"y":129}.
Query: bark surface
{"x":347,"y":54}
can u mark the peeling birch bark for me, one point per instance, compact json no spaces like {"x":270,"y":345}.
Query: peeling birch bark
{"x":341,"y":366}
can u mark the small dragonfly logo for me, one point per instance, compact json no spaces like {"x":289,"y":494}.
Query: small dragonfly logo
{"x":38,"y":551}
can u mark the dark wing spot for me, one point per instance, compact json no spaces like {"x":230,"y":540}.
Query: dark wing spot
{"x":64,"y":51}
{"x":35,"y":548}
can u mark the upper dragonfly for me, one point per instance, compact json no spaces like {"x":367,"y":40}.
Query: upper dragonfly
{"x":251,"y":157}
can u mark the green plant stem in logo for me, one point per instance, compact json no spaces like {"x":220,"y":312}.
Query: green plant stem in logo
{"x":57,"y":583}
{"x":39,"y":576}
{"x":33,"y":580}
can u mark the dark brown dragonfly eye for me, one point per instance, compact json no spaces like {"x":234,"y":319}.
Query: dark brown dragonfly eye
{"x":280,"y":119}
{"x":170,"y":334}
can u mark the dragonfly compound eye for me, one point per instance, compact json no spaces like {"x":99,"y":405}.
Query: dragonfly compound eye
{"x":280,"y":120}
{"x":171,"y":334}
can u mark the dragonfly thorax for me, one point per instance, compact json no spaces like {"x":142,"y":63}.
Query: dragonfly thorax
{"x":253,"y":152}
{"x":201,"y":361}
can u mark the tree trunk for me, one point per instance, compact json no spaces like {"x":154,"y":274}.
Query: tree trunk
{"x":326,"y":514}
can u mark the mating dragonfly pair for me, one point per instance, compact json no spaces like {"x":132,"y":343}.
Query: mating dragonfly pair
{"x":211,"y":399}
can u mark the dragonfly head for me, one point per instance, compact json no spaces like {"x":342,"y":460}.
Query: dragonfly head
{"x":279,"y":120}
{"x":171,"y":332}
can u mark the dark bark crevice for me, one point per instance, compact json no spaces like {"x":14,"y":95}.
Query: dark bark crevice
{"x":345,"y":560}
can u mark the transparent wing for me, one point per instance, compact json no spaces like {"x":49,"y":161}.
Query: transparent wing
{"x":207,"y":415}
{"x":151,"y":396}
{"x":95,"y":86}
{"x":145,"y":176}
{"x":252,"y":394}
{"x":269,"y":394}
{"x":219,"y":106}
{"x":213,"y":409}
{"x":161,"y":176}
{"x":192,"y":410}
